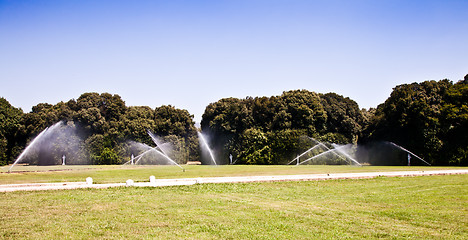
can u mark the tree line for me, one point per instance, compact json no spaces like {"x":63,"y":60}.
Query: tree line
{"x":270,"y":130}
{"x":104,"y":125}
{"x":429,"y":118}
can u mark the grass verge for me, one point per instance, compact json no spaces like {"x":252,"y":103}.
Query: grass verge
{"x":119,"y":173}
{"x":425,"y":207}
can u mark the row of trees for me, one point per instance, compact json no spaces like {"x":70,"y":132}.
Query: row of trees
{"x":266,"y":130}
{"x":100,"y":128}
{"x":429,"y":118}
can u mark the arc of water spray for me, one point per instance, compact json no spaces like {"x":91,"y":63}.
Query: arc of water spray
{"x":156,"y":141}
{"x":141,"y":155}
{"x":160,"y":153}
{"x":33,"y":143}
{"x":328,"y":149}
{"x":318,"y":155}
{"x":138,"y":157}
{"x":310,"y":149}
{"x":404,"y":149}
{"x":344,"y":158}
{"x":200,"y":135}
{"x":346,"y":155}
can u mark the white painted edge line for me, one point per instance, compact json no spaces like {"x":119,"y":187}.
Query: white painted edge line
{"x":247,"y":179}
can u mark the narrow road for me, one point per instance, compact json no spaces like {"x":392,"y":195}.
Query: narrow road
{"x":192,"y":181}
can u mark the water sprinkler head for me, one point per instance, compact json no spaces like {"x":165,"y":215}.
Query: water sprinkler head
{"x":89,"y":180}
{"x":130,"y":183}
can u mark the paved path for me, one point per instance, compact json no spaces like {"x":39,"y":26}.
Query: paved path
{"x":191,"y":181}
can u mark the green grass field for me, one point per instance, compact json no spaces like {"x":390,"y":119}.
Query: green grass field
{"x":120,"y":173}
{"x":429,"y":207}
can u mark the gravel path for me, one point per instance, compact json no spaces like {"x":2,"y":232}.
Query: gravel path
{"x":191,"y":181}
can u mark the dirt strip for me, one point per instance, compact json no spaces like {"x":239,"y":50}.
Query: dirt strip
{"x":192,"y":181}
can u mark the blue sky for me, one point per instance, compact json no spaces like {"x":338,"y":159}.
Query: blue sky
{"x":191,"y":53}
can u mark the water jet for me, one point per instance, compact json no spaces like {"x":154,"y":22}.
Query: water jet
{"x":342,"y":154}
{"x":409,"y":157}
{"x":34,"y":143}
{"x":205,"y":145}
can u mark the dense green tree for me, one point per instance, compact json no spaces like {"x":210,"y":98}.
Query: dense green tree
{"x":429,"y":118}
{"x":224,"y":121}
{"x":107,"y":156}
{"x":170,"y":120}
{"x":172,"y":123}
{"x":136,"y":123}
{"x":305,"y":110}
{"x":455,"y":124}
{"x":343,"y":117}
{"x":97,"y":127}
{"x":410,"y":117}
{"x":264,"y":111}
{"x":112,"y":106}
{"x":254,"y":147}
{"x":92,"y":120}
{"x":286,"y":145}
{"x":10,"y":127}
{"x":279,"y":122}
{"x":228,"y":116}
{"x":41,"y":116}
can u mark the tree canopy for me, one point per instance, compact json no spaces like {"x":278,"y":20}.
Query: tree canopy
{"x":102,"y":125}
{"x":429,"y":118}
{"x":266,"y":130}
{"x":10,"y":127}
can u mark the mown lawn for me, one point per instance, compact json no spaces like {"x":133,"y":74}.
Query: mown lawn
{"x":429,"y":207}
{"x":119,"y":173}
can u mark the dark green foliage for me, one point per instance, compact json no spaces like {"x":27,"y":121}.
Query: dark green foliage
{"x":430,"y":118}
{"x":107,"y":156}
{"x":268,"y":130}
{"x":10,"y":131}
{"x":137,"y":121}
{"x":228,"y":116}
{"x":305,"y":110}
{"x":455,"y":124}
{"x":287,"y":144}
{"x":343,"y":117}
{"x":103,"y":124}
{"x":255,"y":148}
{"x":177,"y":127}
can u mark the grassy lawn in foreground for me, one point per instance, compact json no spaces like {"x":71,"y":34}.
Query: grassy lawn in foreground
{"x":119,"y":173}
{"x":428,"y":207}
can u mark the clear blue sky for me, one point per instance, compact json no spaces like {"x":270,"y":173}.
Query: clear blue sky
{"x":191,"y":53}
